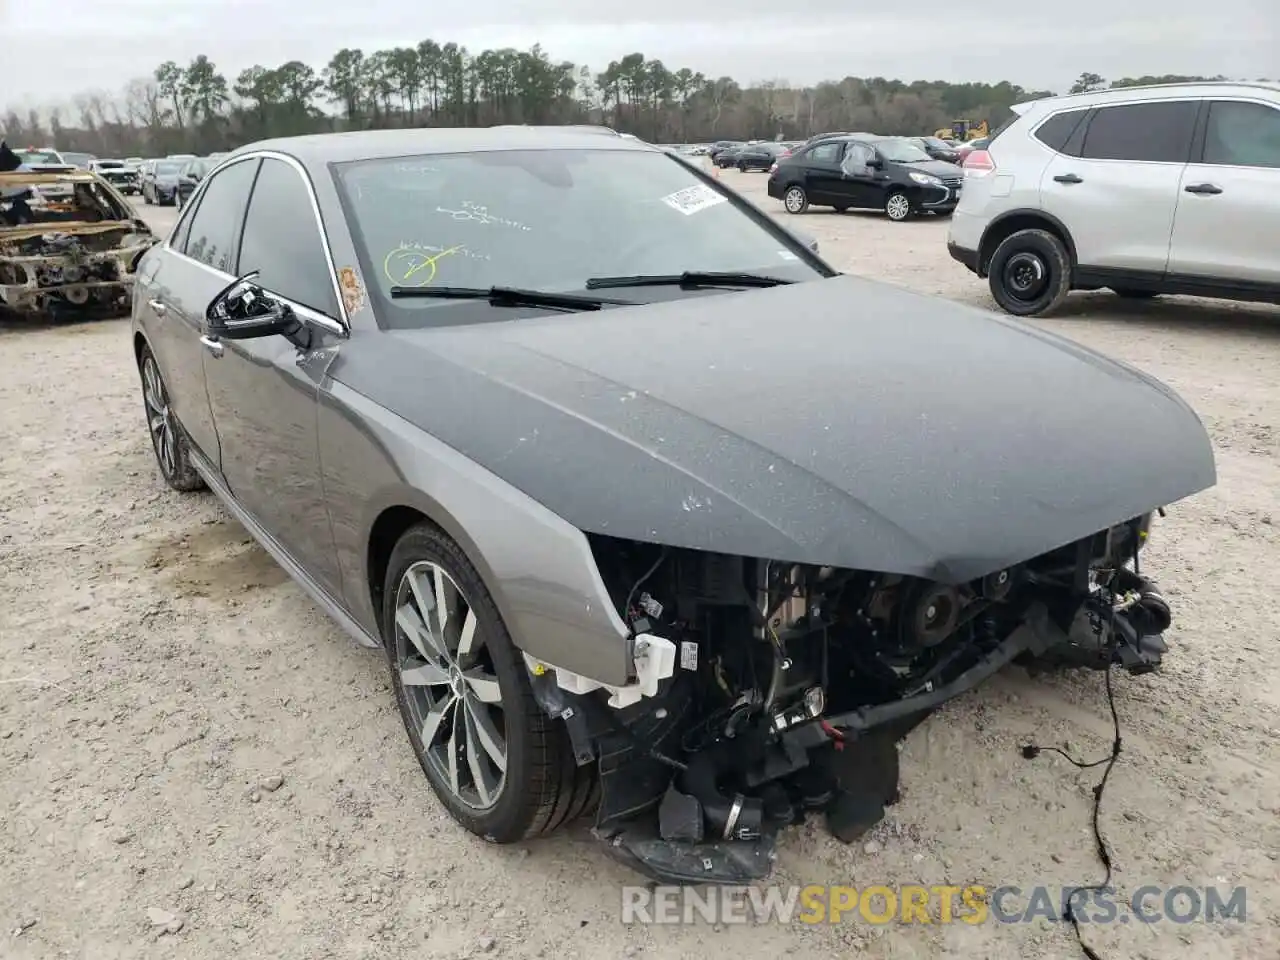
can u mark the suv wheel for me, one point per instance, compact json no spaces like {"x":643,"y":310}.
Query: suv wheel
{"x":795,"y":200}
{"x":897,"y":206}
{"x":1030,"y":273}
{"x":502,"y":767}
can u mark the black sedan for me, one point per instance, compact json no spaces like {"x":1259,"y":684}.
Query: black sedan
{"x":189,"y":177}
{"x":936,"y":148}
{"x":159,"y":182}
{"x":508,"y":404}
{"x":757,"y":156}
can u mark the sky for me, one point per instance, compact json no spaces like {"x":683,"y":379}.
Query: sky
{"x":75,"y":46}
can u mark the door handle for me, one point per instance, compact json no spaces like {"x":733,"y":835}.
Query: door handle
{"x":1209,"y":189}
{"x":212,"y":345}
{"x":158,"y":306}
{"x":1068,"y":178}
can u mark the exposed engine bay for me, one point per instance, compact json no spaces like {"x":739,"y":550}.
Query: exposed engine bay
{"x":67,"y":255}
{"x":769,"y":690}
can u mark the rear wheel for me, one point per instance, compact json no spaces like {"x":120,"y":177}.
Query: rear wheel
{"x":1030,"y":273}
{"x":498,"y":763}
{"x":173,"y":453}
{"x":795,"y":199}
{"x":840,"y":207}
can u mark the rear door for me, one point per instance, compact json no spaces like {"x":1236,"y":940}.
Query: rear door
{"x":193,"y":269}
{"x":823,"y":179}
{"x":1117,"y":196}
{"x":1227,"y":226}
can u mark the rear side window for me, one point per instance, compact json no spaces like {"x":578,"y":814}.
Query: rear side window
{"x":1150,"y":132}
{"x":1055,"y":133}
{"x":217,"y":220}
{"x":826,"y":152}
{"x":1242,"y":135}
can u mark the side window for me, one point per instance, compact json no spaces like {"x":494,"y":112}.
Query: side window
{"x":1242,"y":135}
{"x":178,"y":240}
{"x":282,"y":240}
{"x":217,"y":219}
{"x":826,"y":152}
{"x":1057,"y":131}
{"x":856,"y":158}
{"x":1155,"y":132}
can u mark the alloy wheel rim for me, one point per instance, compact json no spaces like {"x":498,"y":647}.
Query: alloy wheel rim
{"x":159,"y":422}
{"x":898,"y":207}
{"x":794,"y":199}
{"x":445,"y":667}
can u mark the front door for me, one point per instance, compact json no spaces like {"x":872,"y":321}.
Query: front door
{"x":862,"y":182}
{"x":1227,"y":226}
{"x":264,"y":392}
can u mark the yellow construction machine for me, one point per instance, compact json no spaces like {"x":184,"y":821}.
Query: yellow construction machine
{"x":963,"y":130}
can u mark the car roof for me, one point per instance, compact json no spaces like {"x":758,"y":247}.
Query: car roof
{"x":317,"y":150}
{"x":1155,"y":91}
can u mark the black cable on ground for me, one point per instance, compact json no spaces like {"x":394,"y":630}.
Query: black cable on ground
{"x":1031,"y":751}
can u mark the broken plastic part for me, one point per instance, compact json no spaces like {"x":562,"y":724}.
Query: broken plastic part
{"x":655,"y":661}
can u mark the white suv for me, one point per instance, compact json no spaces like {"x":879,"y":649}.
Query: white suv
{"x":1146,"y":190}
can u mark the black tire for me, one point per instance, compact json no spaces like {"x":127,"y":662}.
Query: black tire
{"x":794,"y":199}
{"x":742,"y":168}
{"x":543,"y":787}
{"x":897,"y":206}
{"x":1129,"y":293}
{"x":841,"y":208}
{"x":1030,"y":273}
{"x":173,"y":453}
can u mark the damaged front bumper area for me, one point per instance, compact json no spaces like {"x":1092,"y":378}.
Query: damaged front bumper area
{"x":51,"y":270}
{"x":766,"y":692}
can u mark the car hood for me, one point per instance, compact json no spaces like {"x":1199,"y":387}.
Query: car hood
{"x":935,"y":168}
{"x":841,"y":421}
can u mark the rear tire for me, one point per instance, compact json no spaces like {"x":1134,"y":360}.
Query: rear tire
{"x":1030,"y":273}
{"x":170,"y":443}
{"x":795,"y":200}
{"x":538,"y":786}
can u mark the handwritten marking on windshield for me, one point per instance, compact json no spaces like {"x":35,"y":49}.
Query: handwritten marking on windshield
{"x":480,"y":214}
{"x":415,"y":264}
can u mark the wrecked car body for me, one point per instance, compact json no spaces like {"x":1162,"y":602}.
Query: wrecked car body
{"x":68,"y":254}
{"x":651,"y":511}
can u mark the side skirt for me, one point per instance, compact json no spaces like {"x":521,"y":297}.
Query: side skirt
{"x":282,"y":556}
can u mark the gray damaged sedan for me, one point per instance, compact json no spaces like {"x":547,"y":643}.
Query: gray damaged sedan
{"x":649,"y":508}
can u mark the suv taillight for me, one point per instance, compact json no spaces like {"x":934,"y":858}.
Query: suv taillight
{"x":979,"y":163}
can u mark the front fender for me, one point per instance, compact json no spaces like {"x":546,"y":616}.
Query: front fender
{"x":538,"y":567}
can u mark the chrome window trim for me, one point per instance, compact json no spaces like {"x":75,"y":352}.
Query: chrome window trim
{"x":342,"y":326}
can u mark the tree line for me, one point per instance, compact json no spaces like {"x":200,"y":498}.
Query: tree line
{"x":196,"y":109}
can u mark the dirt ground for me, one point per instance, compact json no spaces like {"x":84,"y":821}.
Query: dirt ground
{"x":196,"y":763}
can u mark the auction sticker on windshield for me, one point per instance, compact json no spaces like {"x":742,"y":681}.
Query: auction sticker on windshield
{"x":692,"y":199}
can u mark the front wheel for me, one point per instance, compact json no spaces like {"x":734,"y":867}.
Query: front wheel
{"x":897,"y":206}
{"x":795,"y":199}
{"x":1030,"y":273}
{"x":501,"y":767}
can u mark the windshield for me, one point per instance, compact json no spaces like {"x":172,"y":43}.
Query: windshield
{"x":39,"y":156}
{"x":545,"y":220}
{"x":109,"y":164}
{"x":165,"y":168}
{"x":935,"y":143}
{"x":901,"y":151}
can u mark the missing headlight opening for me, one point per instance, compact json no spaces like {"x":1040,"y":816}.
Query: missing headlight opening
{"x":767,"y":690}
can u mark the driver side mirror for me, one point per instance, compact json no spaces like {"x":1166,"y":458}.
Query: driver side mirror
{"x":875,"y":163}
{"x":243,"y":310}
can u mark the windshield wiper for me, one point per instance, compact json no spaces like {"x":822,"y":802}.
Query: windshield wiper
{"x":504,"y":297}
{"x":690,"y":278}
